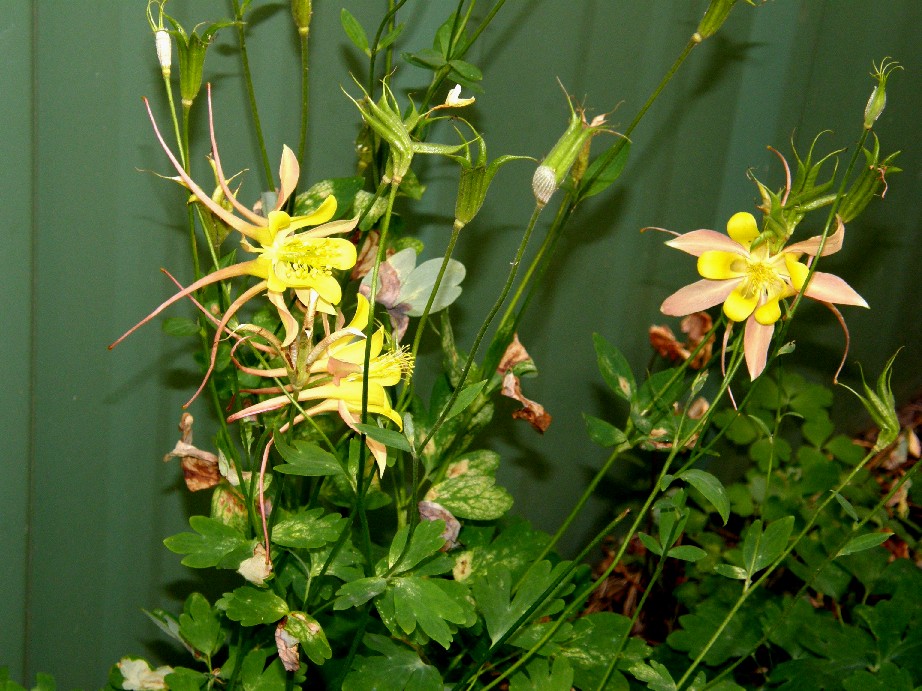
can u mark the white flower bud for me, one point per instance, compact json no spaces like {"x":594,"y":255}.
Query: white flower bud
{"x":543,"y":184}
{"x":164,"y":50}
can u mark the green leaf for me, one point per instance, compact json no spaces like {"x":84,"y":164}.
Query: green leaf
{"x":310,"y":635}
{"x":354,"y":31}
{"x":651,"y":543}
{"x":466,"y":70}
{"x":603,"y":433}
{"x":309,"y":529}
{"x":687,"y":553}
{"x":185,"y":679}
{"x":465,"y":397}
{"x":254,"y":677}
{"x":344,"y":190}
{"x":863,"y":542}
{"x":7,"y":684}
{"x":212,"y":542}
{"x":388,"y":437}
{"x":762,"y":548}
{"x":655,"y":675}
{"x":537,"y":676}
{"x":846,"y":506}
{"x":427,"y":540}
{"x":514,"y":548}
{"x":306,"y":459}
{"x":199,"y":626}
{"x":398,"y":667}
{"x":493,"y":593}
{"x":360,"y":591}
{"x":731,"y":571}
{"x":603,"y":171}
{"x":251,"y":606}
{"x":712,"y":489}
{"x":180,"y":327}
{"x":614,"y":368}
{"x":421,"y":602}
{"x":590,"y":646}
{"x":472,"y":495}
{"x":390,"y":37}
{"x":426,"y":58}
{"x":167,"y":623}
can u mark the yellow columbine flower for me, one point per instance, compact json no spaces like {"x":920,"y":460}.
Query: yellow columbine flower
{"x":286,"y":259}
{"x":337,"y":379}
{"x":752,"y":282}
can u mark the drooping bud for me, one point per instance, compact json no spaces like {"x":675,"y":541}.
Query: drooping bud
{"x":878,"y":100}
{"x":555,"y":166}
{"x":301,"y":12}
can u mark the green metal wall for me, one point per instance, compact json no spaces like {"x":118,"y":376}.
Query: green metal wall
{"x":85,"y":500}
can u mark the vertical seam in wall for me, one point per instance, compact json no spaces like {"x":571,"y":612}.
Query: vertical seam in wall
{"x":33,"y":234}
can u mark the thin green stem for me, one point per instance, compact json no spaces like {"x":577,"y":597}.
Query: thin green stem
{"x":616,"y":654}
{"x":510,"y":279}
{"x":578,"y":507}
{"x":391,"y":13}
{"x":612,"y":153}
{"x":305,"y":94}
{"x":251,"y":94}
{"x":420,"y":327}
{"x":361,"y":486}
{"x":168,"y":86}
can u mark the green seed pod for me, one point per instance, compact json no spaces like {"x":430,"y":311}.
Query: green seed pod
{"x":191,"y":49}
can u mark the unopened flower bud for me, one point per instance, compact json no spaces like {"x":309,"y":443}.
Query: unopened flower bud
{"x":301,"y":12}
{"x":164,"y":50}
{"x":555,"y":166}
{"x":714,"y":17}
{"x":878,"y":100}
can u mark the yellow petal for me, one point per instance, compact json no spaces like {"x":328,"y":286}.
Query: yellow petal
{"x":743,"y":228}
{"x":278,"y":220}
{"x":360,"y":320}
{"x":768,"y":313}
{"x":738,"y":307}
{"x":719,"y":265}
{"x":797,"y":271}
{"x":323,"y":214}
{"x":340,"y":253}
{"x":328,"y":288}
